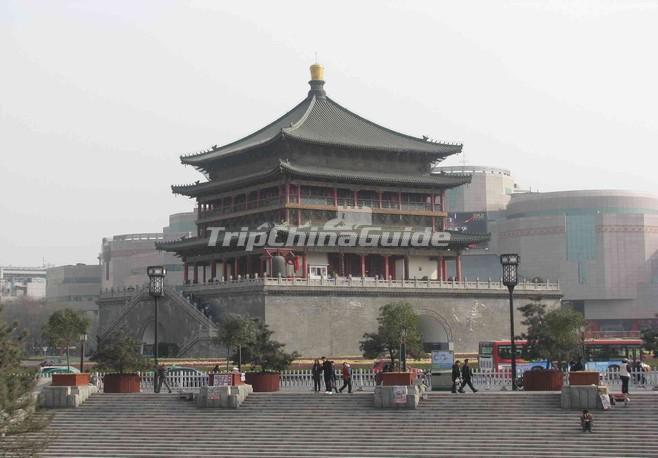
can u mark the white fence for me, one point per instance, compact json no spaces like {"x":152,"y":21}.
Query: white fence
{"x":302,"y":379}
{"x":364,"y":379}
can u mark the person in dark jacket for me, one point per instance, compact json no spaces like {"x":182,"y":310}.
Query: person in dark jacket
{"x":162,"y":378}
{"x":346,"y":374}
{"x":327,"y":370}
{"x":467,"y":374}
{"x":316,"y":372}
{"x":334,"y":385}
{"x":456,"y":373}
{"x":586,"y":420}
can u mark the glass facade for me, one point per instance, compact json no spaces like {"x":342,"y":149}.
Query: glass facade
{"x":581,"y":241}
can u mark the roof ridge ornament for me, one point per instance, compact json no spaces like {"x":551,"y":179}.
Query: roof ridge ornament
{"x":317,"y":81}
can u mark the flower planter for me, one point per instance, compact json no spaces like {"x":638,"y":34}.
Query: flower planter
{"x":121,"y":383}
{"x":70,"y":379}
{"x":263,"y":382}
{"x":397,"y":378}
{"x":543,"y":380}
{"x":584,"y":378}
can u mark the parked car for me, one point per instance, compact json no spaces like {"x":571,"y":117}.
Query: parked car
{"x":47,"y":371}
{"x":186,"y":377}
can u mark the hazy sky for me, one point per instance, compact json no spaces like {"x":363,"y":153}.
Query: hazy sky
{"x":99,"y":98}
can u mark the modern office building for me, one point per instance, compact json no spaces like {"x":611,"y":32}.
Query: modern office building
{"x":125,"y":257}
{"x":76,"y":287}
{"x":17,"y":282}
{"x":475,"y":207}
{"x":602,"y":245}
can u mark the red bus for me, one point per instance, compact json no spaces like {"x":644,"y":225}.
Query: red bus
{"x":600,"y":354}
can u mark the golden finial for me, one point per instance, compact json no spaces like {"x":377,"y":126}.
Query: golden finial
{"x":317,"y":72}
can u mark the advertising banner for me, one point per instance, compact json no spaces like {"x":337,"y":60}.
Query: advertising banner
{"x":442,"y":360}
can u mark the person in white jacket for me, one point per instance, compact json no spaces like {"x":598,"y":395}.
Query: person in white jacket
{"x":625,"y":376}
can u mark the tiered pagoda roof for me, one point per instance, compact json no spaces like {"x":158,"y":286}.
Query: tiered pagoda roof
{"x":319,"y":120}
{"x":285,"y":168}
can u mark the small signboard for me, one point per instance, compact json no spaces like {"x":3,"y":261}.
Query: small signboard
{"x":442,"y":360}
{"x":400,"y":394}
{"x":605,"y":401}
{"x":221,"y":379}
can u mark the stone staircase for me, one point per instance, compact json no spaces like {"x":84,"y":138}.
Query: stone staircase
{"x":320,"y":425}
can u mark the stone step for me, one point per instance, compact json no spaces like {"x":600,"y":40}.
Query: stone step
{"x":284,"y":424}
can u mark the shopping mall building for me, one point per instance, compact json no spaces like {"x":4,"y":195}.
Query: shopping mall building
{"x":602,"y":245}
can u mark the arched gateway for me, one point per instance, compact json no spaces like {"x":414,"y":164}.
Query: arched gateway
{"x":436,"y":331}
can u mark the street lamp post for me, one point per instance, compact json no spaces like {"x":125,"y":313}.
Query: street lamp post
{"x":510,"y":264}
{"x":156,"y":276}
{"x":403,"y":348}
{"x":83,"y":339}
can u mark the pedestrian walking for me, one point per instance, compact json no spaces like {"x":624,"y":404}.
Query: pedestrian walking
{"x":467,"y":374}
{"x":334,"y":385}
{"x":578,"y":366}
{"x":327,"y":370}
{"x":625,"y":376}
{"x":456,"y":375}
{"x":347,"y":378}
{"x":162,"y":378}
{"x":316,"y":372}
{"x":644,"y":368}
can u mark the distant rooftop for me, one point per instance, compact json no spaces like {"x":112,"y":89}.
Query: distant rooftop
{"x":470,"y":169}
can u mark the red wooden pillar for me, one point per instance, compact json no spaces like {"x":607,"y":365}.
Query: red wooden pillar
{"x":444,"y":269}
{"x":356,"y":198}
{"x":443,"y":209}
{"x":385,"y":267}
{"x":433,"y":197}
{"x":400,"y":200}
{"x":458,"y":268}
{"x":363,"y":265}
{"x":196,"y":273}
{"x":439,"y":267}
{"x":186,"y":271}
{"x":341,"y":264}
{"x":406,"y":268}
{"x":286,"y":201}
{"x":304,"y":269}
{"x":235,"y":267}
{"x":335,"y":197}
{"x":213,"y":269}
{"x":299,"y":201}
{"x":380,"y":199}
{"x":224,"y":269}
{"x":204,"y":273}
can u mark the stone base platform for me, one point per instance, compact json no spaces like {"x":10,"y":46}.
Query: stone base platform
{"x":387,"y":397}
{"x":57,"y":397}
{"x":582,"y":396}
{"x":223,"y":397}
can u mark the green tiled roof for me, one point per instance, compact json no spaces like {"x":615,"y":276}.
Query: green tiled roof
{"x":325,"y":173}
{"x":318,"y":119}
